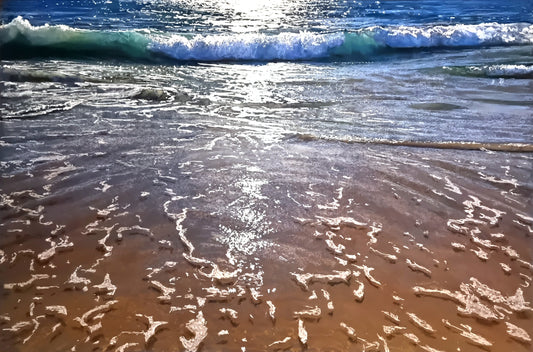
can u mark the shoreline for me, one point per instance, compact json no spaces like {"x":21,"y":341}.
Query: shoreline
{"x":262,"y":227}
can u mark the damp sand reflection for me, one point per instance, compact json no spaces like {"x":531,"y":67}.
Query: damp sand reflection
{"x":366,"y":250}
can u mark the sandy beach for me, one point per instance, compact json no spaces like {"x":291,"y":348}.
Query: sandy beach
{"x":329,"y":246}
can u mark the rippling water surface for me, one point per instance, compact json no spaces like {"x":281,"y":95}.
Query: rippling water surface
{"x":251,"y":176}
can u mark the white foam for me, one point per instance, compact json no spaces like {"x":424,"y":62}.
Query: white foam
{"x":302,"y":332}
{"x":249,"y":46}
{"x":41,"y":35}
{"x":455,"y":35}
{"x":198,"y":327}
{"x":518,"y":333}
{"x":504,"y":71}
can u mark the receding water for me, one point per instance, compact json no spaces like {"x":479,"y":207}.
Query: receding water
{"x":251,"y":176}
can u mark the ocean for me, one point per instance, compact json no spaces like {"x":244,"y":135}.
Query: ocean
{"x":230,"y":175}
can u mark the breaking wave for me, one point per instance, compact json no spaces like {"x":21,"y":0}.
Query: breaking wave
{"x":459,"y":145}
{"x":20,"y":39}
{"x":492,"y":71}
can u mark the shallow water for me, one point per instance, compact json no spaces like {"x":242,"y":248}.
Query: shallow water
{"x":324,"y":204}
{"x":184,"y":223}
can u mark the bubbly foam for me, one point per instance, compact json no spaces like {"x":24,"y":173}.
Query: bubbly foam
{"x":455,"y":35}
{"x":250,"y":47}
{"x":493,"y":71}
{"x":21,"y":37}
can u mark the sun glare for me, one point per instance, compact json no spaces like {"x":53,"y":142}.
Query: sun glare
{"x":259,"y":7}
{"x":246,"y":15}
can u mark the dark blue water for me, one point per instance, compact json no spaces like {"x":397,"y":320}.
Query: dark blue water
{"x":220,"y":16}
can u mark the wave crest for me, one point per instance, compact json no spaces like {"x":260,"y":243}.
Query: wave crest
{"x":284,"y":46}
{"x":492,"y":71}
{"x":460,"y":35}
{"x":460,"y":145}
{"x":19,"y":39}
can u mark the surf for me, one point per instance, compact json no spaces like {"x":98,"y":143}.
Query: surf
{"x":517,"y":71}
{"x":19,"y":39}
{"x":456,"y":145}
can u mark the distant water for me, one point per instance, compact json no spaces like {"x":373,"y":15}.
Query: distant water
{"x":266,"y":175}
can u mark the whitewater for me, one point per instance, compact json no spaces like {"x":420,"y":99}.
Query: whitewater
{"x":270,"y":175}
{"x":21,"y":39}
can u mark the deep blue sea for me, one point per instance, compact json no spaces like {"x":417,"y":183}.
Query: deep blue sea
{"x":253,"y":175}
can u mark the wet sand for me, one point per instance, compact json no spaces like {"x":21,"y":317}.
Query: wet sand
{"x":240,"y":244}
